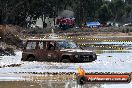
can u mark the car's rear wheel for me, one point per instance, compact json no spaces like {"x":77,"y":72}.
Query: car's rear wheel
{"x":66,"y":61}
{"x":31,"y":58}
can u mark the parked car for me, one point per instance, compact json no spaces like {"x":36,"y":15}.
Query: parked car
{"x":65,"y":23}
{"x":56,"y":50}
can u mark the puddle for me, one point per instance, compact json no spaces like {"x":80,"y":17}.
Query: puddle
{"x":57,"y":84}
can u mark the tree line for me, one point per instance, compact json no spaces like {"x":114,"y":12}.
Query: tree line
{"x":17,"y":11}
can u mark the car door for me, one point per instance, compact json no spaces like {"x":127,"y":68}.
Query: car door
{"x":52,"y":53}
{"x":41,"y":51}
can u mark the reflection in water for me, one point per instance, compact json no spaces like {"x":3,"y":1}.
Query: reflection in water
{"x":113,"y":51}
{"x":45,"y":84}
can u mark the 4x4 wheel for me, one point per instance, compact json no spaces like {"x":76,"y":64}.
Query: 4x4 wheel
{"x":66,"y":61}
{"x":31,"y":58}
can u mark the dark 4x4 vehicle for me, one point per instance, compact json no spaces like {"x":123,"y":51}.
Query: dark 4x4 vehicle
{"x":56,"y":50}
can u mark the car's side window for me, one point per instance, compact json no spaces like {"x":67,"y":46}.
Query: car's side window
{"x":50,"y":45}
{"x":31,"y":45}
{"x":41,"y":45}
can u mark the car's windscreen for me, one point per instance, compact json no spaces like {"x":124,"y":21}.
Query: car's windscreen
{"x":67,"y":45}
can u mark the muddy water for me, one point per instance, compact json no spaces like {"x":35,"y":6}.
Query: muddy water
{"x":114,"y":55}
{"x":58,"y":84}
{"x":43,"y":84}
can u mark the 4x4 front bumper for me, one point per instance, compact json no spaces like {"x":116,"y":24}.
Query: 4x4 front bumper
{"x":85,"y":58}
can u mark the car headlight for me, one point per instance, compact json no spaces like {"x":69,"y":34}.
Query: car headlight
{"x":76,"y":56}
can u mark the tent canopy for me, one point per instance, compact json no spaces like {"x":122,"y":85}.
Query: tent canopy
{"x":89,"y":24}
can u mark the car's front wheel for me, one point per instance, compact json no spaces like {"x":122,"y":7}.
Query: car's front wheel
{"x":65,"y":60}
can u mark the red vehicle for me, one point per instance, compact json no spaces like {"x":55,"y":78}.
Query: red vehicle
{"x":65,"y":23}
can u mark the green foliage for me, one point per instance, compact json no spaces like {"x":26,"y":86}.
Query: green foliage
{"x":16,"y":11}
{"x":117,"y":9}
{"x":86,"y":10}
{"x":104,"y":13}
{"x":128,"y":9}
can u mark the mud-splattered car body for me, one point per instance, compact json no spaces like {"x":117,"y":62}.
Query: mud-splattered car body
{"x":55,"y":50}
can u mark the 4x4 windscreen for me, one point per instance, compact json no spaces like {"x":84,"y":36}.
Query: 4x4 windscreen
{"x":67,"y":45}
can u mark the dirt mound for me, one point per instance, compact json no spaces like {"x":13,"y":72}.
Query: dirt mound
{"x":10,"y":34}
